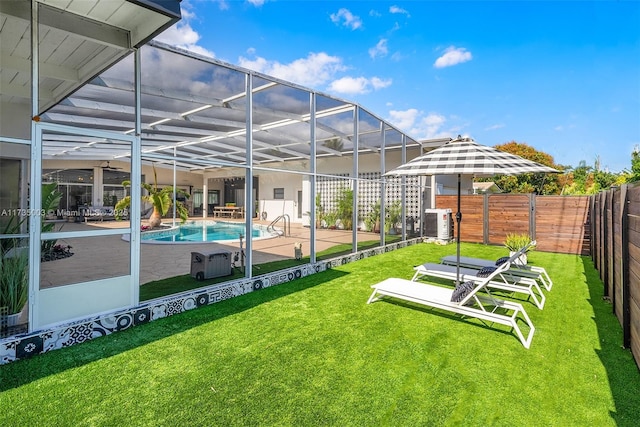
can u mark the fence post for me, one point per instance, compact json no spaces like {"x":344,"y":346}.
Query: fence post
{"x":594,"y":247}
{"x":532,"y":215}
{"x":624,"y":266}
{"x":485,"y":218}
{"x":613,"y":267}
{"x":604,"y":275}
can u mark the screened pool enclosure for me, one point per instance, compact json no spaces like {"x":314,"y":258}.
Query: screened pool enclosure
{"x":229,"y":141}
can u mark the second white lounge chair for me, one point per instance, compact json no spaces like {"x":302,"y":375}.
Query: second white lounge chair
{"x":516,"y":270}
{"x":502,"y":281}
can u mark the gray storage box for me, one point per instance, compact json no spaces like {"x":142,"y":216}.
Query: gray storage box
{"x":207,"y":265}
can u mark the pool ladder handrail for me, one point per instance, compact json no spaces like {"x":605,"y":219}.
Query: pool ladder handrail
{"x":286,"y":231}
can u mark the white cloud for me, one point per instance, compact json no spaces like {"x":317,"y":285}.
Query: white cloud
{"x":559,"y":128}
{"x":421,"y":126}
{"x":380,"y":49}
{"x":347,"y":19}
{"x":397,"y":56}
{"x":358,"y":85}
{"x":183,"y":36}
{"x":256,"y":2}
{"x":379,"y":83}
{"x":314,"y":70}
{"x":432,"y":124}
{"x":404,"y":119}
{"x":397,"y":9}
{"x":495,"y":127}
{"x":453,"y":56}
{"x":349,"y":85}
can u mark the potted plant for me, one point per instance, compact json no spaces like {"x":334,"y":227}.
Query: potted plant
{"x":344,"y":210}
{"x":329,"y":220}
{"x":394,"y":216}
{"x":51,"y":197}
{"x":515,"y":242}
{"x":372,"y":220}
{"x":319,"y":212}
{"x":160,"y":198}
{"x":14,"y":276}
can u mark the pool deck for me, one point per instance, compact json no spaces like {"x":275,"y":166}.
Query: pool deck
{"x":108,"y":256}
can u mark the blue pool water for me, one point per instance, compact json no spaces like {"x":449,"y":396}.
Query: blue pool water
{"x":206,"y":231}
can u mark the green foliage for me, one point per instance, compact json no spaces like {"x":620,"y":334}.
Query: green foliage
{"x":585,"y":180}
{"x":393,"y":216}
{"x":516,"y":241}
{"x":14,"y":269}
{"x":373,"y":217}
{"x":14,"y":279}
{"x":330,"y":218}
{"x":603,"y":180}
{"x":580,"y":180}
{"x":13,"y":226}
{"x":160,"y":198}
{"x":634,"y":174}
{"x":50,"y":203}
{"x":542,"y":183}
{"x":319,"y":210}
{"x":344,"y":211}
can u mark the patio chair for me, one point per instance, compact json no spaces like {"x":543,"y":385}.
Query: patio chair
{"x":516,"y":270}
{"x":503,"y":281}
{"x":463,"y":299}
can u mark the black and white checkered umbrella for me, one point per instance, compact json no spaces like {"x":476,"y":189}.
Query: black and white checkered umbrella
{"x":466,"y":157}
{"x":463,"y":156}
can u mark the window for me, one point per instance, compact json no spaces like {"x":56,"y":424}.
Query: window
{"x":278,"y":193}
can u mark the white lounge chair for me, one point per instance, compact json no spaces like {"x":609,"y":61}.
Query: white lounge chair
{"x":503,"y":281}
{"x":463,"y":299}
{"x":516,"y":270}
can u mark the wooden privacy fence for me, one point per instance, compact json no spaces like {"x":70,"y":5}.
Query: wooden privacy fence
{"x":616,"y":255}
{"x":558,"y":223}
{"x":605,"y":226}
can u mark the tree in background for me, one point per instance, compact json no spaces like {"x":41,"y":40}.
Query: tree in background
{"x":160,"y":198}
{"x":634,"y":174}
{"x":580,"y":180}
{"x":585,"y":179}
{"x":547,"y":183}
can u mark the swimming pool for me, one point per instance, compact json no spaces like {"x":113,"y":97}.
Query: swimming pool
{"x":205,"y":231}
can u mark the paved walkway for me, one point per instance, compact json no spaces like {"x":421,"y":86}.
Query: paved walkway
{"x":108,"y":256}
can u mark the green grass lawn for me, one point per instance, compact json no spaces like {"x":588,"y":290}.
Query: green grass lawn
{"x":312,"y":352}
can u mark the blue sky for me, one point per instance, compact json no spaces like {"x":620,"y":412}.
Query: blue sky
{"x":561,"y":76}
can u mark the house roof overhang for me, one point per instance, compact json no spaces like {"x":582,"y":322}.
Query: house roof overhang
{"x":78,"y":39}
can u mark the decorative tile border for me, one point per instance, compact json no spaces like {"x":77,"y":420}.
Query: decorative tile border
{"x":27,"y":345}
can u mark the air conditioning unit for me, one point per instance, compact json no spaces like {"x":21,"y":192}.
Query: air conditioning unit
{"x":438,"y":224}
{"x":207,"y":265}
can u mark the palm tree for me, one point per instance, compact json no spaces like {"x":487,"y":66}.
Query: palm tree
{"x":160,"y":198}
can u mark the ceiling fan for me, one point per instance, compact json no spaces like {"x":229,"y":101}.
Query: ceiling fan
{"x":109,"y":167}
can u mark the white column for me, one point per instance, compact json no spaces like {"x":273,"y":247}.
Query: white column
{"x":205,"y":196}
{"x":98,"y":187}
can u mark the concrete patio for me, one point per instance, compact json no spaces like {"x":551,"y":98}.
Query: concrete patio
{"x":108,"y":256}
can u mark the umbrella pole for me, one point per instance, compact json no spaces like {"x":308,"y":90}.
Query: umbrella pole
{"x":458,"y":221}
